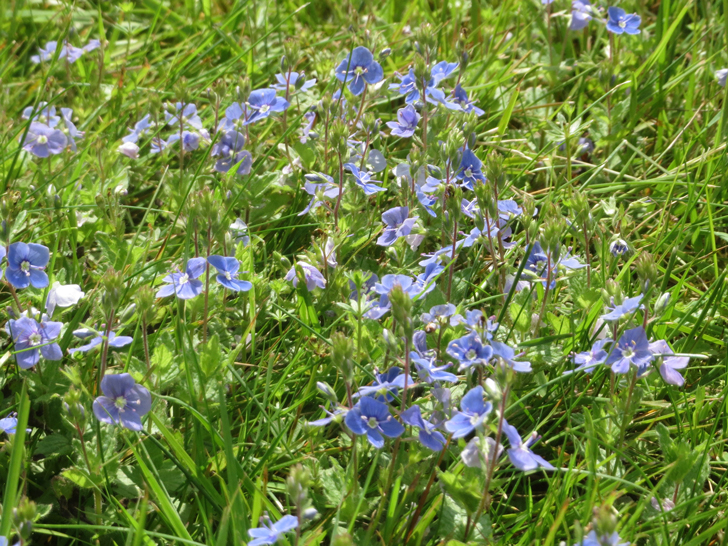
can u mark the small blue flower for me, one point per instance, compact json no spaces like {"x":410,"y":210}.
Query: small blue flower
{"x":270,"y":533}
{"x":230,"y":150}
{"x":507,"y":355}
{"x":407,"y":86}
{"x":184,"y":285}
{"x":407,"y":120}
{"x":313,"y":276}
{"x":140,"y":128}
{"x":319,"y":186}
{"x":43,"y":141}
{"x":26,"y":263}
{"x":469,"y":351}
{"x":520,"y":453}
{"x":427,"y":202}
{"x":115,"y":342}
{"x":372,"y":418}
{"x":618,"y":247}
{"x":410,"y":87}
{"x":123,"y":403}
{"x":263,"y":102}
{"x":473,"y":413}
{"x":429,"y":372}
{"x":227,"y":273}
{"x":470,"y":171}
{"x":383,"y":288}
{"x":627,"y":308}
{"x":364,"y":180}
{"x":190,"y":140}
{"x":187,"y":115}
{"x":397,"y":224}
{"x":620,"y":22}
{"x":9,"y":425}
{"x":442,"y":71}
{"x":588,"y":360}
{"x":429,"y":437}
{"x":460,"y":97}
{"x":439,"y":313}
{"x":71,"y":132}
{"x":594,"y":539}
{"x":721,"y":75}
{"x":42,"y":113}
{"x":581,"y":14}
{"x":33,"y":340}
{"x":288,"y":81}
{"x":425,"y":281}
{"x":632,"y":348}
{"x":386,"y":385}
{"x":236,"y":117}
{"x":359,"y":68}
{"x":670,"y":363}
{"x":45,"y":53}
{"x":309,"y":118}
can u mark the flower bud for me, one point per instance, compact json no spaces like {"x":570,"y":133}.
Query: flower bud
{"x":326,"y":390}
{"x":297,"y":484}
{"x":618,"y":247}
{"x":402,"y":310}
{"x":661,"y":304}
{"x":646,"y":270}
{"x":113,"y":284}
{"x":384,"y":53}
{"x":24,"y":516}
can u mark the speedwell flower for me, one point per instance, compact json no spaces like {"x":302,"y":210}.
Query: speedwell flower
{"x":364,"y":180}
{"x":372,"y":418}
{"x":407,"y":119}
{"x":43,"y":141}
{"x":26,"y":263}
{"x":33,"y":340}
{"x":184,"y":285}
{"x":359,"y":68}
{"x":520,"y":453}
{"x":227,"y":273}
{"x":270,"y":533}
{"x":263,"y":102}
{"x":429,"y":436}
{"x":620,"y":22}
{"x":124,"y":402}
{"x":473,"y":413}
{"x":397,"y":224}
{"x":632,"y":348}
{"x":115,"y":342}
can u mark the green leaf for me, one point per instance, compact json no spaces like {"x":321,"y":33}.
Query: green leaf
{"x":79,"y":477}
{"x":55,"y":444}
{"x":464,"y":492}
{"x":211,"y":356}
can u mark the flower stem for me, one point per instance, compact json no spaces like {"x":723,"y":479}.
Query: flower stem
{"x":341,"y":189}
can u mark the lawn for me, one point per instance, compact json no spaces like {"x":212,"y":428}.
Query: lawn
{"x":373,"y":273}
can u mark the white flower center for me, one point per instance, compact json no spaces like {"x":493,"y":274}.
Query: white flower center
{"x":34,"y":339}
{"x":622,"y":23}
{"x":474,"y":420}
{"x":359,"y":70}
{"x":120,"y":403}
{"x":25,"y":266}
{"x":184,"y":279}
{"x":264,"y":108}
{"x":471,"y":354}
{"x":469,"y":172}
{"x":372,"y":422}
{"x":227,"y":275}
{"x":42,"y":139}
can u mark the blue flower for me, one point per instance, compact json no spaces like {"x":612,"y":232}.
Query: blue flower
{"x":424,"y":282}
{"x":470,"y":170}
{"x":184,"y":285}
{"x":372,"y":418}
{"x":410,"y":87}
{"x":386,"y":385}
{"x":384,"y":287}
{"x":473,"y":413}
{"x":312,"y":275}
{"x":9,"y":425}
{"x":721,"y":75}
{"x":140,"y":128}
{"x":618,"y":247}
{"x":429,"y":372}
{"x":263,"y":102}
{"x":115,"y":342}
{"x":397,"y":224}
{"x":581,"y":14}
{"x":236,"y":117}
{"x":520,"y":453}
{"x":461,"y":98}
{"x":230,"y":148}
{"x":309,"y":118}
{"x":227,"y":272}
{"x":71,"y":132}
{"x":407,"y":120}
{"x":670,"y":363}
{"x":438,"y":313}
{"x":507,"y":355}
{"x":359,"y":68}
{"x":190,"y":140}
{"x":42,"y":113}
{"x":187,"y":115}
{"x":270,"y":533}
{"x":632,"y":348}
{"x":319,"y":186}
{"x":239,"y":232}
{"x":427,"y":201}
{"x":124,"y":402}
{"x":26,"y":263}
{"x":538,"y":262}
{"x":43,"y":141}
{"x":429,"y":437}
{"x":469,"y":351}
{"x":627,"y":308}
{"x":364,"y":180}
{"x":45,"y":53}
{"x":33,"y":340}
{"x":288,"y":81}
{"x":588,"y":360}
{"x":442,"y":71}
{"x":593,"y":539}
{"x":620,"y":22}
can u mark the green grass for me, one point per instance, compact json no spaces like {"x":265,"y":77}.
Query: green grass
{"x":228,"y":421}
